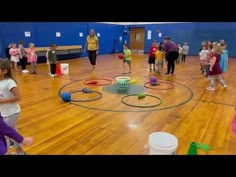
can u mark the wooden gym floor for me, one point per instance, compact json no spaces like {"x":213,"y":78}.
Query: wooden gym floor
{"x":63,"y":128}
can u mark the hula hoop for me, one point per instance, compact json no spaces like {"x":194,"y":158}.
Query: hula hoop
{"x":168,"y":88}
{"x":136,"y":106}
{"x":85,"y":82}
{"x":99,"y":93}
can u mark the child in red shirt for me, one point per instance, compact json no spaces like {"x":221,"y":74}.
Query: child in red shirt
{"x":152,"y":58}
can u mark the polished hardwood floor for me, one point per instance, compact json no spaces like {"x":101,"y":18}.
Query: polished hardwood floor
{"x":63,"y":128}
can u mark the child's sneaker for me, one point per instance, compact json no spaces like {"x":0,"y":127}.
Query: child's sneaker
{"x":211,"y":88}
{"x":12,"y":144}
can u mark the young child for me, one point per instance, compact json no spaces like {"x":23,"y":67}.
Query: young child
{"x":162,"y":49}
{"x":127,"y":58}
{"x":49,"y":70}
{"x":7,"y":131}
{"x":215,"y":70}
{"x":203,"y":58}
{"x":180,"y":53}
{"x":52,"y":58}
{"x":224,"y":58}
{"x":185,"y":51}
{"x":152,"y":58}
{"x":32,"y":58}
{"x":8,"y":51}
{"x":159,"y":58}
{"x":14,"y":52}
{"x":23,"y":57}
{"x":9,"y":97}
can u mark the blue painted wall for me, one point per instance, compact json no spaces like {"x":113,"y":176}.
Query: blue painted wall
{"x":194,"y":34}
{"x":44,"y":33}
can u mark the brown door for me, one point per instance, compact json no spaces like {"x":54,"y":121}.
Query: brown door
{"x":137,"y":38}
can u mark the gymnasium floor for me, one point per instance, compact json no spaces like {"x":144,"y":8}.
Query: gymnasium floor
{"x":188,"y":111}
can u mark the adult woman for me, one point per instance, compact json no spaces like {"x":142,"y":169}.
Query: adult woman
{"x":172,"y":53}
{"x":92,"y":46}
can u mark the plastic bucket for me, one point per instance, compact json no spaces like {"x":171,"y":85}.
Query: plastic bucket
{"x":162,"y":143}
{"x":65,"y":68}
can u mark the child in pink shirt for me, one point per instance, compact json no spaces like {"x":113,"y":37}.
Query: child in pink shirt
{"x":32,"y":57}
{"x":14,"y":52}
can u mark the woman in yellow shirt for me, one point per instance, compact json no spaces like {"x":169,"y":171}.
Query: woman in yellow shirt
{"x":92,"y":46}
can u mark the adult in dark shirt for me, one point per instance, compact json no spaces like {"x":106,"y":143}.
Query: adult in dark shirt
{"x":172,"y":53}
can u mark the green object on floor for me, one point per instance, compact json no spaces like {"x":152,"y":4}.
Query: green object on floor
{"x":141,"y":95}
{"x":192,"y":150}
{"x":204,"y":147}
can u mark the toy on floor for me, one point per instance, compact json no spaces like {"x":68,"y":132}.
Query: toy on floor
{"x":233,"y":124}
{"x":66,"y":96}
{"x":141,"y":95}
{"x":86,"y":90}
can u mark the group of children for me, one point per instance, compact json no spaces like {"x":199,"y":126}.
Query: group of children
{"x":156,"y":57}
{"x":214,"y":62}
{"x":183,"y":53}
{"x":23,"y":56}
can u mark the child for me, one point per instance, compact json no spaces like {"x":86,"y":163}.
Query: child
{"x":159,"y":58}
{"x":203,"y":58}
{"x":7,"y":131}
{"x":52,"y":58}
{"x":8,"y":51}
{"x":215,"y":70}
{"x":14,"y":52}
{"x":49,"y":70}
{"x":127,"y":58}
{"x":152,"y":58}
{"x":224,"y":58}
{"x":162,"y":49}
{"x":180,"y":53}
{"x":23,"y":57}
{"x":9,"y":96}
{"x":32,"y":58}
{"x":185,"y":52}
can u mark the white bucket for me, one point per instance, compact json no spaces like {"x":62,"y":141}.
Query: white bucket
{"x":65,"y":68}
{"x":161,"y":143}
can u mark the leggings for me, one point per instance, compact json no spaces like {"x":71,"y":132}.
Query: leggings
{"x":92,"y":55}
{"x":11,"y":121}
{"x":23,"y":63}
{"x":33,"y":66}
{"x":212,"y":80}
{"x":171,"y":57}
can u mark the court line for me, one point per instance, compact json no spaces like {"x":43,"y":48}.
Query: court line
{"x":225,"y":104}
{"x":150,"y":110}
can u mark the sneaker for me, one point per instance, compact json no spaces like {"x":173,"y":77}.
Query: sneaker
{"x":225,"y":86}
{"x":167,"y":73}
{"x":52,"y":75}
{"x":12,"y":144}
{"x":211,"y":88}
{"x":19,"y":153}
{"x":26,"y":71}
{"x":150,"y":70}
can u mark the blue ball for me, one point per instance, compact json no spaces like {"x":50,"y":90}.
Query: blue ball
{"x":65,"y":96}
